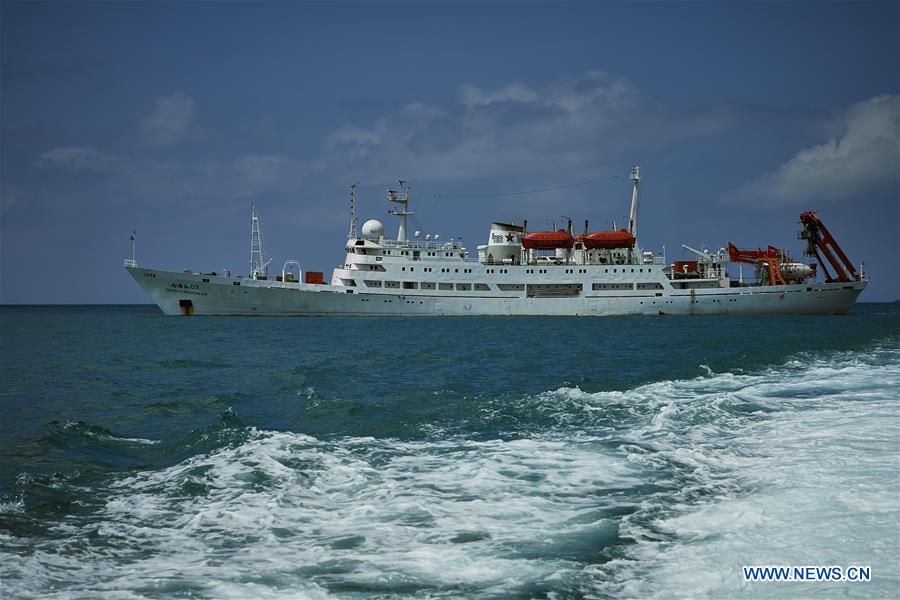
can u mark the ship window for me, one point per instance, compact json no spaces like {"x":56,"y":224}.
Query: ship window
{"x":457,"y":270}
{"x":613,"y":286}
{"x":445,"y":286}
{"x":205,"y":280}
{"x":373,"y":282}
{"x":236,"y":282}
{"x":410,"y":285}
{"x":464,"y":286}
{"x":413,"y":269}
{"x":482,"y":287}
{"x":391,"y":284}
{"x":403,"y":268}
{"x":427,"y":285}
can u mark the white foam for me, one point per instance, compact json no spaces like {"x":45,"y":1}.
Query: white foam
{"x":291,"y":513}
{"x":816,"y":481}
{"x":795,"y":465}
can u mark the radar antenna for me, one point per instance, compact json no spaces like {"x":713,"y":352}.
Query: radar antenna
{"x":258,"y":264}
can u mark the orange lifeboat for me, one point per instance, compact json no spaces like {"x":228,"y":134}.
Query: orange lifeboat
{"x":547,"y":240}
{"x":607,"y":240}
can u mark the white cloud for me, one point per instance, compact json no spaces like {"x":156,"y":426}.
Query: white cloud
{"x":572,"y":94}
{"x":357,"y":142}
{"x":76,"y":158}
{"x":867,"y":155}
{"x":515,"y":129}
{"x":515,"y":92}
{"x":169,"y":120}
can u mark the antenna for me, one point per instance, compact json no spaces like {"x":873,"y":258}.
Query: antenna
{"x":353,"y":231}
{"x":405,"y":212}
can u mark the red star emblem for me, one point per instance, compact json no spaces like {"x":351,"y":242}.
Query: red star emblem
{"x":509,"y":237}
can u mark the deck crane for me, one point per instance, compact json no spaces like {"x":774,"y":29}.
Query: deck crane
{"x":818,"y":240}
{"x":769,"y":259}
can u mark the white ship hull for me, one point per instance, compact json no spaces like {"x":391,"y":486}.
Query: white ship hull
{"x":195,"y":294}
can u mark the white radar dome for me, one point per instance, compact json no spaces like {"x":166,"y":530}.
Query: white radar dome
{"x":372,"y":230}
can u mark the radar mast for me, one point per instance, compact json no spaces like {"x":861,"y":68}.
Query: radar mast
{"x":403,"y":199}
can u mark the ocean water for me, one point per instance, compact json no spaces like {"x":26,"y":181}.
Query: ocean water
{"x":146,"y":456}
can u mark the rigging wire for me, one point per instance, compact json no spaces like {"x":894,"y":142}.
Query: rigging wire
{"x":438,"y":196}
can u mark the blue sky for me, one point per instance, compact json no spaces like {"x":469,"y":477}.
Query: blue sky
{"x":170,"y":118}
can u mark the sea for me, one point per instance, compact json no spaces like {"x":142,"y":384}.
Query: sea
{"x":145,"y":456}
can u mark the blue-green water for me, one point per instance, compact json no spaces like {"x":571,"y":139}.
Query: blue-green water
{"x":151,"y":456}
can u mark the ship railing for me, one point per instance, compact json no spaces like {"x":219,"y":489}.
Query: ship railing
{"x":130,"y":263}
{"x":494,"y":262}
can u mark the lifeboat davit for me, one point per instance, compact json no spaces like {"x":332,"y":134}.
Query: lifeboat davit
{"x":547,"y":240}
{"x":607,"y":240}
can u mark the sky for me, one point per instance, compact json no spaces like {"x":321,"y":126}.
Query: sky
{"x":171,"y":118}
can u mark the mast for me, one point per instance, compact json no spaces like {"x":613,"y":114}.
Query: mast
{"x":354,"y":234}
{"x":131,"y":262}
{"x":402,"y":199}
{"x":258,"y":264}
{"x":632,"y":219}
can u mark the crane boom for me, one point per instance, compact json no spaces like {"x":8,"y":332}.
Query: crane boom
{"x":821,"y":242}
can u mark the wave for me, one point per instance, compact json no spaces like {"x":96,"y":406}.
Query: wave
{"x":658,"y":491}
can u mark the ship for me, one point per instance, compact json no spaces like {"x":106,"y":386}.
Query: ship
{"x":519,"y":272}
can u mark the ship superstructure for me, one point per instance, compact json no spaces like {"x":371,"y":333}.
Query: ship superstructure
{"x":519,"y":272}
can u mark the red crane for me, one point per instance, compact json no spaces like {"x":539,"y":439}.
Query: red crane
{"x":819,"y":239}
{"x":770,"y":258}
